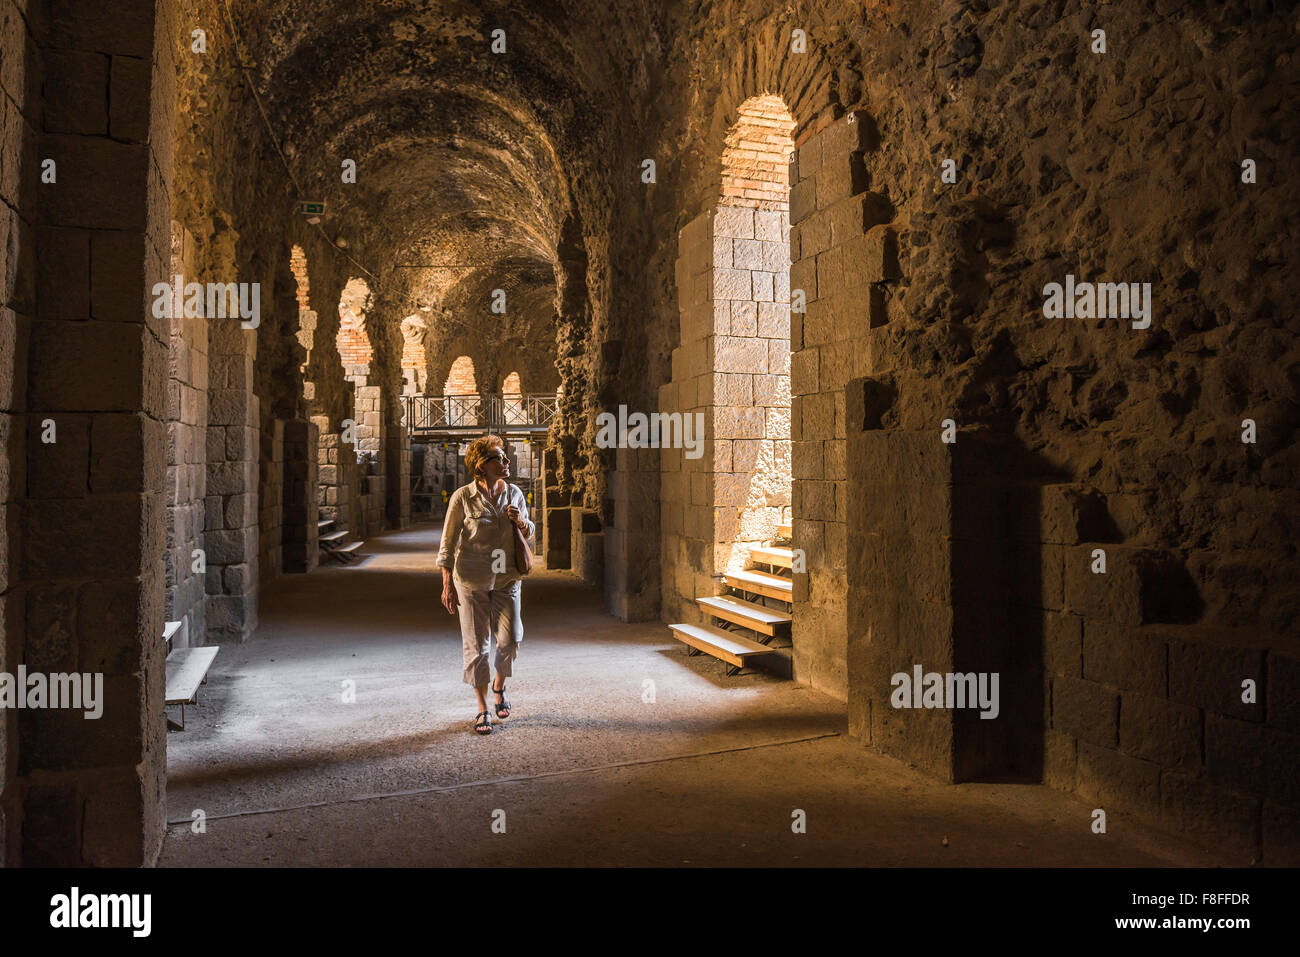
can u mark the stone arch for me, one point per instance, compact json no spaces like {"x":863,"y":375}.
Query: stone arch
{"x":763,"y":65}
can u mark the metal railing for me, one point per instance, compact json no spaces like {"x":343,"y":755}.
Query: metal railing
{"x":476,"y":413}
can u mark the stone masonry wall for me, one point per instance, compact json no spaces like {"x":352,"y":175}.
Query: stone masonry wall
{"x":20,"y":108}
{"x":187,"y":474}
{"x":844,"y":265}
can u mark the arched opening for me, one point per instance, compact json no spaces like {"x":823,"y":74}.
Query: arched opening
{"x":415,"y":376}
{"x":460,"y":381}
{"x":512,"y":395}
{"x":756,"y":176}
{"x":353,"y":340}
{"x":461,"y":392}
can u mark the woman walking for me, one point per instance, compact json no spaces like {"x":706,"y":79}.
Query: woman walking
{"x":479,"y":576}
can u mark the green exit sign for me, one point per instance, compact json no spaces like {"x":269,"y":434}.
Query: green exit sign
{"x":311,"y":209}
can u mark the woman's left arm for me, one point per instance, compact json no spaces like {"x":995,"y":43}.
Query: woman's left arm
{"x":522,"y":504}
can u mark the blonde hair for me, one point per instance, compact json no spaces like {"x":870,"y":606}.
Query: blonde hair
{"x":480,"y":450}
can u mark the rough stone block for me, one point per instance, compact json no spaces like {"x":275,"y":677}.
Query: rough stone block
{"x":1203,"y":810}
{"x":1085,"y":710}
{"x":803,"y":199}
{"x":1210,"y":677}
{"x":842,"y":175}
{"x":1160,"y":731}
{"x":1117,"y":781}
{"x":76,"y":92}
{"x":1123,"y":657}
{"x":1283,"y":692}
{"x":1063,"y":644}
{"x":735,"y":222}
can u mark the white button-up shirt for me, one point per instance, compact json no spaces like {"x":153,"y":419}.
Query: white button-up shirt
{"x":477,"y":526}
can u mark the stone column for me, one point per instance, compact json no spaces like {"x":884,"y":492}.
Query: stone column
{"x":78,"y":792}
{"x":234,"y":441}
{"x":301,"y":542}
{"x":370,"y":442}
{"x":555,"y":516}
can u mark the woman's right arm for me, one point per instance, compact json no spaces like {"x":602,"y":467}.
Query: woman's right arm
{"x":451,"y":529}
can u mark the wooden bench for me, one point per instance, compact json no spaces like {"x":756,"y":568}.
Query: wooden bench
{"x":187,"y":668}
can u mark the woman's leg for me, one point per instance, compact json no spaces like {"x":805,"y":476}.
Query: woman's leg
{"x":475,"y":634}
{"x":507,"y":628}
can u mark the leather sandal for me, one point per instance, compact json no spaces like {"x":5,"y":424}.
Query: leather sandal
{"x":503,"y":705}
{"x":484,"y":726}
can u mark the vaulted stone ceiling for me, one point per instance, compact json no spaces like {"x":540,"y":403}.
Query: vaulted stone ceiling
{"x":465,"y":158}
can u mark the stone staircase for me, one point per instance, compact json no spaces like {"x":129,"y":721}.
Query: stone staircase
{"x":752,"y":620}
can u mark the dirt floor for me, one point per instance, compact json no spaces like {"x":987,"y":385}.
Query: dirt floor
{"x":621,"y":751}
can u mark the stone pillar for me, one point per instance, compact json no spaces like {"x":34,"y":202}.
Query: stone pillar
{"x":90,"y":566}
{"x":301,"y":541}
{"x":370,"y":447}
{"x":632,"y":581}
{"x":271,"y":500}
{"x":941,"y":579}
{"x":397,"y":455}
{"x":556,"y":516}
{"x":234,"y":440}
{"x":587,"y":547}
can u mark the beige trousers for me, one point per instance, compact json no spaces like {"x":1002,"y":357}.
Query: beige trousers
{"x":485,"y":616}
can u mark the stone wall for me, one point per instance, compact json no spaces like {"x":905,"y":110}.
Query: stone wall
{"x":844,"y":266}
{"x":187,"y":475}
{"x":20,"y":80}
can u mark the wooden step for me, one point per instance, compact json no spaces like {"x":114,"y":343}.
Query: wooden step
{"x":774,"y":555}
{"x":747,"y":613}
{"x":728,"y":646}
{"x":761,"y":583}
{"x":334,"y":536}
{"x":186,"y":669}
{"x":783,"y":531}
{"x":170,"y":629}
{"x":324,"y":523}
{"x":343,"y":554}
